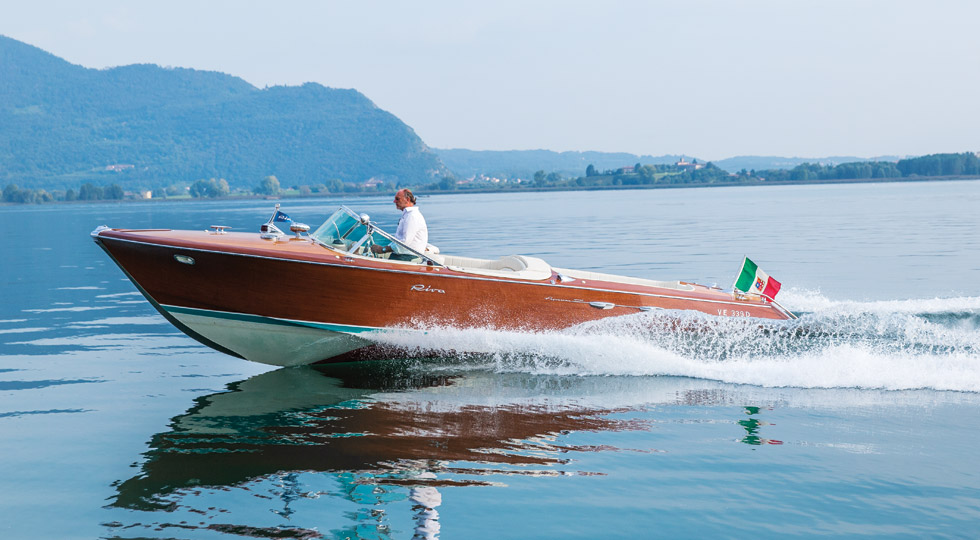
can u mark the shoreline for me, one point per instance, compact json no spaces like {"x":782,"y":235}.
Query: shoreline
{"x":720,"y":184}
{"x":425,"y":193}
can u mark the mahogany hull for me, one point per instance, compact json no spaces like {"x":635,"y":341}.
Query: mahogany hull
{"x":291,"y":302}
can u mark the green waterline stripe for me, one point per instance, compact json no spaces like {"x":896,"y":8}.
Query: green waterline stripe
{"x":342,"y":328}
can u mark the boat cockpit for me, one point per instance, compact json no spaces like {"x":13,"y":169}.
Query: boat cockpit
{"x":356,"y":234}
{"x":349,"y":232}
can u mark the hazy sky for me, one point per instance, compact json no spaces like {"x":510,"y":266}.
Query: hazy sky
{"x":712,"y":78}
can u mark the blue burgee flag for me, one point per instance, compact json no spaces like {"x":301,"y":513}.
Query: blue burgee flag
{"x":281,"y":216}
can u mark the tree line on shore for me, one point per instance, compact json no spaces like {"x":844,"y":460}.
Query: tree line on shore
{"x":200,"y":189}
{"x":964,"y":164}
{"x":694,"y":173}
{"x":933,"y":165}
{"x":87,"y":192}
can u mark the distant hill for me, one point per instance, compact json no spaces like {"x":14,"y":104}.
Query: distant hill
{"x":524,"y":163}
{"x":147,"y":126}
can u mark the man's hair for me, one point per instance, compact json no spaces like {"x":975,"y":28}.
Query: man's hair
{"x":409,"y":194}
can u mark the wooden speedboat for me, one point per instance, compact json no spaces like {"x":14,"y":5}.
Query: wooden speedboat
{"x":315,"y":296}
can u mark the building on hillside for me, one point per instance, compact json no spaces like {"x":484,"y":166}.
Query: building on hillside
{"x":118,"y":167}
{"x":689,"y":165}
{"x":482,"y":178}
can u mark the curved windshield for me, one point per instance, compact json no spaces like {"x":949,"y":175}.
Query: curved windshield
{"x":340,"y":230}
{"x":344,"y":231}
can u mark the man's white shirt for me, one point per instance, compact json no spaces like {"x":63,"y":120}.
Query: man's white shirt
{"x":412,"y":230}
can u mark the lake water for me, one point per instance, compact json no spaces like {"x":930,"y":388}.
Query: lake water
{"x":859,"y":419}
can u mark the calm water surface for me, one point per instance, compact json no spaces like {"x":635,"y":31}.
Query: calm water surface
{"x":860,"y":419}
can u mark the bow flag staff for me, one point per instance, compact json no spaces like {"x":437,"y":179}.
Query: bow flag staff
{"x":753,"y":280}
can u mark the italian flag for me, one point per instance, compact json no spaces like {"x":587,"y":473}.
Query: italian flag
{"x":754,"y":281}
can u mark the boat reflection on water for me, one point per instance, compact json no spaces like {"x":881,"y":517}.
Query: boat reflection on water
{"x":370,"y":424}
{"x":384,"y":431}
{"x":306,"y":419}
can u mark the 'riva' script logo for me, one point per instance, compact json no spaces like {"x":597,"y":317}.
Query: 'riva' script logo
{"x":426,"y":288}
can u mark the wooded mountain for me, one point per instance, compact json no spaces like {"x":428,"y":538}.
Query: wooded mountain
{"x":148,"y":126}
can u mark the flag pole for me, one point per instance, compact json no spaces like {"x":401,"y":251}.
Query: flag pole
{"x":780,"y":306}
